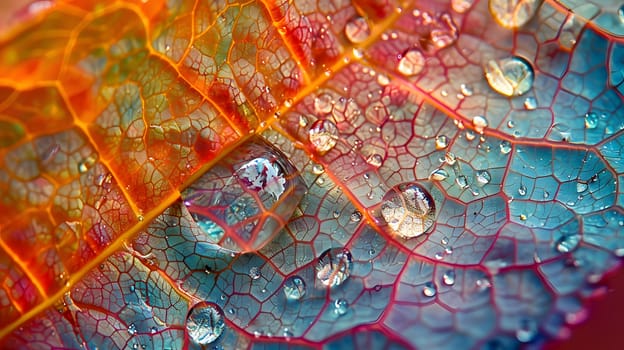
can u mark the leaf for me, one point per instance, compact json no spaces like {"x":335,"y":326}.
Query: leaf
{"x":110,"y":112}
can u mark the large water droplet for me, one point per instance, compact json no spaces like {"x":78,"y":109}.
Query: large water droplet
{"x":204,"y":323}
{"x":449,"y":277}
{"x":254,"y":178}
{"x":323,"y":135}
{"x":411,"y":63}
{"x":429,"y":289}
{"x":294,"y":288}
{"x":334,"y":266}
{"x":357,"y":30}
{"x":409,"y":210}
{"x":513,"y":13}
{"x":483,"y":177}
{"x":511,"y":76}
{"x":567,"y":243}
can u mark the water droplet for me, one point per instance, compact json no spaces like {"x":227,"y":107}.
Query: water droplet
{"x":461,"y":6}
{"x":511,"y":76}
{"x":441,"y":142}
{"x":505,"y":147}
{"x":255,"y":273}
{"x":341,"y":307}
{"x":86,"y":164}
{"x":153,"y":330}
{"x":375,"y":160}
{"x":480,"y":123}
{"x":303,"y":121}
{"x":357,"y":30}
{"x":429,"y":289}
{"x":411,"y":63}
{"x":450,"y":158}
{"x":439,"y":256}
{"x":513,"y":13}
{"x":323,"y":104}
{"x":448,"y":250}
{"x":260,"y":179}
{"x":526,"y":331}
{"x":522,"y":190}
{"x":449,"y":278}
{"x":445,"y":33}
{"x":444,"y":240}
{"x":581,"y":187}
{"x":323,"y":135}
{"x":318,"y":169}
{"x":530,"y":103}
{"x":591,"y":120}
{"x":204,"y":323}
{"x":356,"y":216}
{"x":483,"y":177}
{"x":567,"y":243}
{"x":334,"y":266}
{"x":461,"y":181}
{"x":409,"y":210}
{"x":523,"y":217}
{"x":466,"y":90}
{"x":438,"y":175}
{"x":132,"y":329}
{"x":470,"y":135}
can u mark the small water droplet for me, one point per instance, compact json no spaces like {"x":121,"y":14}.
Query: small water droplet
{"x":470,"y":135}
{"x":255,"y":273}
{"x":567,"y":243}
{"x":513,"y":13}
{"x":480,"y":123}
{"x":448,"y":250}
{"x":357,"y":30}
{"x":288,"y":102}
{"x":505,"y":147}
{"x":341,"y":307}
{"x":375,"y":160}
{"x":204,"y":323}
{"x":527,"y":330}
{"x":461,"y":181}
{"x":439,"y":256}
{"x":409,"y":210}
{"x":441,"y":142}
{"x":356,"y":216}
{"x":318,"y":169}
{"x":450,"y":158}
{"x":303,"y":121}
{"x":153,"y":330}
{"x":132,"y":329}
{"x":466,"y":90}
{"x":511,"y":76}
{"x":483,"y":177}
{"x":522,"y":190}
{"x":438,"y":175}
{"x":591,"y":120}
{"x":411,"y":63}
{"x":86,"y":164}
{"x":334,"y":266}
{"x":530,"y":103}
{"x":581,"y":187}
{"x":323,"y":104}
{"x":323,"y":135}
{"x":429,"y":289}
{"x":444,"y":240}
{"x":449,"y":277}
{"x":461,"y":6}
{"x":523,"y":217}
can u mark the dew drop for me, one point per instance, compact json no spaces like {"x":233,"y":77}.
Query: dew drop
{"x":567,"y":243}
{"x":461,"y":6}
{"x":444,"y":240}
{"x":318,"y":169}
{"x":581,"y":187}
{"x":375,"y":160}
{"x":334,"y":266}
{"x":449,"y":278}
{"x":132,"y":329}
{"x":357,"y":30}
{"x":356,"y":216}
{"x":255,"y":273}
{"x":450,"y":158}
{"x":461,"y":181}
{"x":323,"y":104}
{"x":470,"y":135}
{"x":303,"y":121}
{"x":341,"y":307}
{"x":591,"y":120}
{"x":466,"y":90}
{"x":505,"y":147}
{"x":511,"y":76}
{"x":530,"y":103}
{"x":411,"y":63}
{"x":438,"y":175}
{"x":483,"y":177}
{"x":441,"y":142}
{"x":522,"y":190}
{"x":429,"y":289}
{"x":294,"y":288}
{"x":445,"y":33}
{"x":513,"y":13}
{"x":323,"y":135}
{"x":480,"y":123}
{"x":204,"y":323}
{"x":409,"y":210}
{"x":526,"y":331}
{"x":86,"y":164}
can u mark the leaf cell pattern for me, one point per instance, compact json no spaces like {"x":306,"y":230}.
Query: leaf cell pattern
{"x":114,"y":116}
